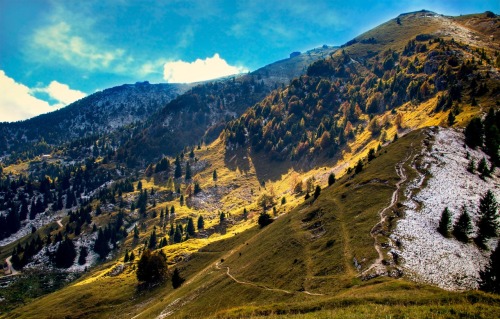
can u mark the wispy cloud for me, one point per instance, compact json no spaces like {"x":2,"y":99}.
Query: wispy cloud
{"x":59,"y":41}
{"x":199,"y":70}
{"x":17,"y":102}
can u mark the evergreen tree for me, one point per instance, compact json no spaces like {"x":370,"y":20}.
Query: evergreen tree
{"x":131,"y":257}
{"x":65,"y":254}
{"x":359,"y":167}
{"x":190,"y":227}
{"x":188,"y":171}
{"x":82,"y":258}
{"x":139,"y":186}
{"x":197,"y":187}
{"x":488,"y":221}
{"x":445,"y":223}
{"x":101,"y":246}
{"x":463,"y":226}
{"x":317,"y":192}
{"x":181,"y":200}
{"x":331,"y":179}
{"x":483,"y":169}
{"x":474,"y":133}
{"x":126,"y":257}
{"x":178,"y":169}
{"x":371,"y":154}
{"x":471,"y":167}
{"x":172,"y":210}
{"x":177,"y":280}
{"x":177,"y":234}
{"x":490,"y":277}
{"x":214,"y":175}
{"x":245,"y":214}
{"x":222,"y":218}
{"x":152,"y":240}
{"x":136,"y":232}
{"x":201,"y":223}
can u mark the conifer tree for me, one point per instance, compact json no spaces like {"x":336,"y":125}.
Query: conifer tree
{"x":139,"y":186}
{"x":359,"y":167}
{"x":178,"y":169}
{"x":488,"y":221}
{"x":214,"y":175}
{"x":490,"y":277}
{"x":317,"y":192}
{"x":177,"y":280}
{"x":190,"y":227}
{"x":181,"y":200}
{"x":463,"y":226}
{"x":177,"y":234}
{"x":126,"y":257}
{"x":82,"y":258}
{"x":152,"y":240}
{"x":245,"y":214}
{"x":136,"y":232}
{"x":201,"y":223}
{"x":331,"y":179}
{"x":188,"y":171}
{"x":445,"y":223}
{"x":131,"y":257}
{"x":471,"y":167}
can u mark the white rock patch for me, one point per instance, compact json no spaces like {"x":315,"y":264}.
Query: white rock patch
{"x":427,"y":255}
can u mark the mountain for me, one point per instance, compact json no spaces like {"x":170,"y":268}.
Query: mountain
{"x":200,"y":114}
{"x":102,"y":112}
{"x":321,"y":197}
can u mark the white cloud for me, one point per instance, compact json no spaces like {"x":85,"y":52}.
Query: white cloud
{"x":199,"y":70}
{"x":61,"y":92}
{"x":17,"y":102}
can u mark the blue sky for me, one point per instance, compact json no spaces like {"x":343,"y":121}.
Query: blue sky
{"x":54,"y":52}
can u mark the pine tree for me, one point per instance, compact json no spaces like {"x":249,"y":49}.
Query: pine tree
{"x":126,"y":257}
{"x":483,"y":169}
{"x":190,"y":227}
{"x":245,"y":214}
{"x":331,"y":179}
{"x":317,"y":192}
{"x":131,"y":257}
{"x":151,"y":267}
{"x":359,"y":167}
{"x":471,"y":167}
{"x":214,"y":175}
{"x":463,"y":226}
{"x":178,"y":169}
{"x":172,"y":210}
{"x":136,"y":232}
{"x":222,"y":218}
{"x":201,"y":223}
{"x":181,"y":200}
{"x":152,"y":240}
{"x":177,"y":234}
{"x":177,"y":280}
{"x":65,"y":254}
{"x":445,"y":223}
{"x":490,"y":277}
{"x":139,"y":186}
{"x":188,"y":171}
{"x":82,"y":259}
{"x":488,"y":221}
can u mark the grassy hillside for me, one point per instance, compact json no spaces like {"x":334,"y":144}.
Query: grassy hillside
{"x":302,"y":263}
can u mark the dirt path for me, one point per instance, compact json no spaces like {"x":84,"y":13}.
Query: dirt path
{"x":378,"y":266}
{"x":217,"y":265}
{"x":9,"y":266}
{"x":59,"y":222}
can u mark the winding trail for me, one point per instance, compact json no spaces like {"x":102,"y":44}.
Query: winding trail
{"x":59,"y":223}
{"x":13,"y":272}
{"x":217,"y":265}
{"x":377,"y":265}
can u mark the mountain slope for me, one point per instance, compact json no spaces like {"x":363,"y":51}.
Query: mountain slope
{"x":102,"y":112}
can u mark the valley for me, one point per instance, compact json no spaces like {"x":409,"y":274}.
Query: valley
{"x":314,"y":187}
